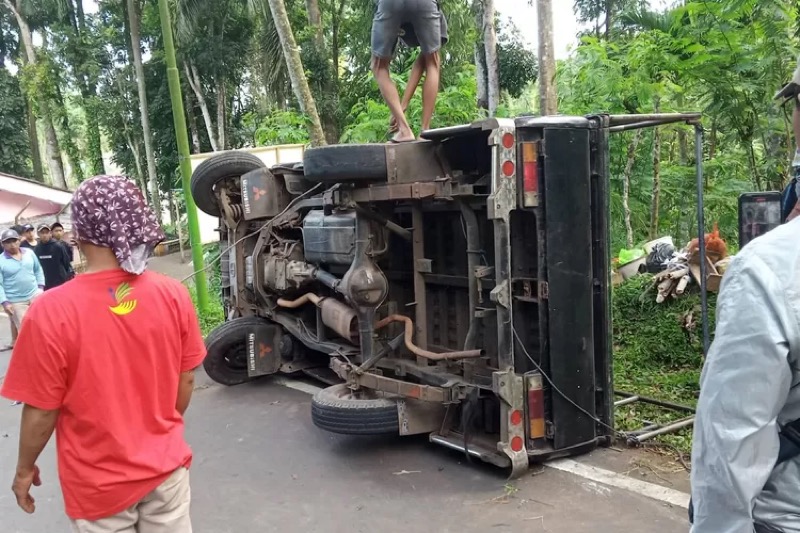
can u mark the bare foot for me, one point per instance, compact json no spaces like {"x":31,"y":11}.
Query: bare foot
{"x":403,"y":138}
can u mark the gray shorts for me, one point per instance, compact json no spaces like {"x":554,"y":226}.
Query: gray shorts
{"x":423,"y":16}
{"x":409,"y":36}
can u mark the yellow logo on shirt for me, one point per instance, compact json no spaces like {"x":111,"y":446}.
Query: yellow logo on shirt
{"x":123,"y":306}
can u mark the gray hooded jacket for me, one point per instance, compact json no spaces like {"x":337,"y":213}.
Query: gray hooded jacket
{"x":749,"y":385}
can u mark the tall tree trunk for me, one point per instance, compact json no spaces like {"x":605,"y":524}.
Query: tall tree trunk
{"x":656,"y":195}
{"x":33,"y":140}
{"x":137,"y":160}
{"x":626,"y":185}
{"x":192,"y":120}
{"x":608,"y":19}
{"x":54,"y":162}
{"x":296,"y":72}
{"x":480,"y":59}
{"x":315,"y":21}
{"x":221,"y":101}
{"x":152,"y":178}
{"x":548,"y":98}
{"x":88,"y":88}
{"x":194,"y":83}
{"x":492,"y":65}
{"x":336,"y":23}
{"x":712,"y":147}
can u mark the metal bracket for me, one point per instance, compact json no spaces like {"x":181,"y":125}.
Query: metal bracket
{"x":509,"y":388}
{"x":501,"y":294}
{"x":544,"y":290}
{"x":424,"y":266}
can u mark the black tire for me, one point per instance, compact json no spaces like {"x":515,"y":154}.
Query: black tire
{"x":345,"y":162}
{"x":226,"y":360}
{"x":222,"y":166}
{"x":335,"y":409}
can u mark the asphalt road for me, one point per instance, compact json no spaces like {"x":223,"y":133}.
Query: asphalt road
{"x":261,"y":466}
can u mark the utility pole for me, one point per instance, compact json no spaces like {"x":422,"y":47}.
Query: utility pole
{"x":548,"y":97}
{"x":183,"y":154}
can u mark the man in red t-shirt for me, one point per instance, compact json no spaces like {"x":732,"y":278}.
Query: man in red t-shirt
{"x":107,"y":361}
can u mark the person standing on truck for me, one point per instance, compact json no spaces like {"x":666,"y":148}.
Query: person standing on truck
{"x":54,"y":259}
{"x":425,"y":19}
{"x":745,"y":462}
{"x":409,"y":37}
{"x":107,"y":361}
{"x":21,"y":280}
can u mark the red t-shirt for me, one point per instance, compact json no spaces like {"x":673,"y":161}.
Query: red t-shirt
{"x":107,"y":350}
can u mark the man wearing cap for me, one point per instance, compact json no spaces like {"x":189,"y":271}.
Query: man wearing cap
{"x":21,"y":279}
{"x":28,"y":239}
{"x":107,"y":361}
{"x":58,"y":235}
{"x":53,"y":258}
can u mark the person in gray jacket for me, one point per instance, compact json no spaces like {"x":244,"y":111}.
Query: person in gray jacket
{"x":749,"y":394}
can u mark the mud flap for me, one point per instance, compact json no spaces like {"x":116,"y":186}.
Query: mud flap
{"x":263,"y":349}
{"x":263,"y":195}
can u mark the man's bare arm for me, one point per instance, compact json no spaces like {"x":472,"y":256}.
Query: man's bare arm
{"x":36,"y":429}
{"x":185,"y":388}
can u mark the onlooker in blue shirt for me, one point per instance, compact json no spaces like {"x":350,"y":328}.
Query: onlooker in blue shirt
{"x":21,"y":279}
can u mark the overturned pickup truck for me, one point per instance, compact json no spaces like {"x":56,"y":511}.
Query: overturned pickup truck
{"x":456,"y":286}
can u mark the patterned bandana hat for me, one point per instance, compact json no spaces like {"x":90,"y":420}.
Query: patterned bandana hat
{"x":110,"y":211}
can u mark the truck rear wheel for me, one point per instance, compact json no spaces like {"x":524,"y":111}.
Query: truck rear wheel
{"x":339,"y":409}
{"x":217,"y":168}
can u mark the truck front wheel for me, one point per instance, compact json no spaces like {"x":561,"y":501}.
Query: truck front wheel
{"x":339,"y":409}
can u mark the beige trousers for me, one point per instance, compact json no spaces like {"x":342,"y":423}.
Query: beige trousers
{"x":165,"y":510}
{"x":19,"y":309}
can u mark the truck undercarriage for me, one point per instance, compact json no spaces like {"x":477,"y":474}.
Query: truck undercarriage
{"x":456,"y":286}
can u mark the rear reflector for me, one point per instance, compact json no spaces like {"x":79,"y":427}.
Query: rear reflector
{"x":535,"y":393}
{"x":530,"y":175}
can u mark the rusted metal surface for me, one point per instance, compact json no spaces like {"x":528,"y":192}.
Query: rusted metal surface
{"x":416,"y":416}
{"x":334,"y":314}
{"x":368,"y":380}
{"x":420,"y":290}
{"x":340,"y":318}
{"x":416,"y":350}
{"x":410,"y":191}
{"x":412,"y":162}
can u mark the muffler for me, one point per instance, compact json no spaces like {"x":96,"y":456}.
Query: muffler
{"x":336,"y":315}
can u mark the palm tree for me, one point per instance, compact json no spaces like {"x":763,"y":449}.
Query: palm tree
{"x":296,"y":72}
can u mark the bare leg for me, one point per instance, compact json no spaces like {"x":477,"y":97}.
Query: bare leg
{"x":417,"y":69}
{"x":380,"y":68}
{"x":430,"y":88}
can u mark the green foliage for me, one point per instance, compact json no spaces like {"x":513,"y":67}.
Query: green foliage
{"x":279,"y":127}
{"x":14,"y":147}
{"x":517,"y":63}
{"x":369,"y":118}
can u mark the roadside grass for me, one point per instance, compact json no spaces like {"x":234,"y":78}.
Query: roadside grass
{"x":657,"y":355}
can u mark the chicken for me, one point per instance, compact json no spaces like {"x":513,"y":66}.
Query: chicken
{"x":715,"y":245}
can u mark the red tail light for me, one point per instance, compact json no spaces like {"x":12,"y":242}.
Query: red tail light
{"x":530,"y":175}
{"x":535,"y":393}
